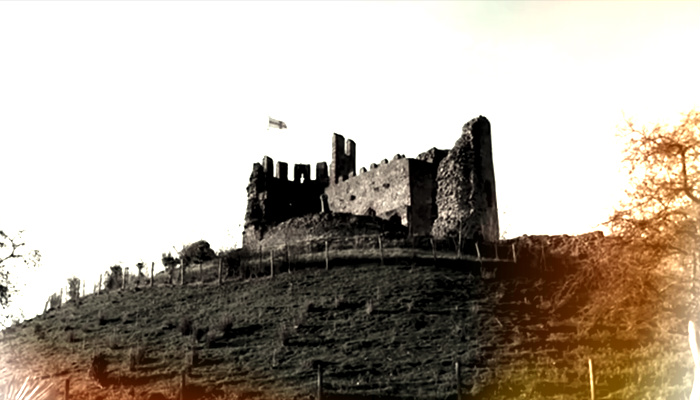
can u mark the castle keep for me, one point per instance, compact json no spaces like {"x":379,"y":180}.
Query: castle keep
{"x":438,"y":193}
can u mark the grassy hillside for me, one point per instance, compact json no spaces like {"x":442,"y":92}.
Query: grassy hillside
{"x":389,"y":331}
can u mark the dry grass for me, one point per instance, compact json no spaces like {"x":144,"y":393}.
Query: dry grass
{"x":384,"y":331}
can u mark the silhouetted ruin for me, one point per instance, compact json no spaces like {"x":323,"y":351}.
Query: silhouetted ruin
{"x":440,"y":193}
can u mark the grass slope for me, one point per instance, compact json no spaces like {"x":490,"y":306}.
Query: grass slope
{"x":384,"y":331}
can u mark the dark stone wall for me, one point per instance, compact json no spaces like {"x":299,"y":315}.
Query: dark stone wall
{"x":343,"y":155}
{"x":466,"y":189}
{"x":423,"y":186}
{"x":273,"y":199}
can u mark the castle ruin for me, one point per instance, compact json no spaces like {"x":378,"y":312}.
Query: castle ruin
{"x":439,"y":193}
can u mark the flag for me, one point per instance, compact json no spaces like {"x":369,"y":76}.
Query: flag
{"x":276,"y":124}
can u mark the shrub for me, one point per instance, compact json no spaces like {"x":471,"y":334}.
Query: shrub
{"x":53,"y":303}
{"x":185,"y":326}
{"x":39,"y":331}
{"x":200,"y":332}
{"x":74,"y":288}
{"x":232,"y":260}
{"x":114,"y":277}
{"x":137,"y":355}
{"x":284,"y":333}
{"x":98,"y":368}
{"x":225,"y":325}
{"x":192,"y":357}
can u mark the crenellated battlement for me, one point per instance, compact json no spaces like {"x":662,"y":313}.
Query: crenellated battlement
{"x":302,"y":172}
{"x":380,"y":166}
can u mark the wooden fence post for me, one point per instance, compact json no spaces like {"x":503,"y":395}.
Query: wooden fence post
{"x":272,"y":264}
{"x":182,"y":274}
{"x":458,"y":381}
{"x":67,"y":389}
{"x":495,"y":246}
{"x":319,"y":369}
{"x":590,"y":372}
{"x":515,"y":260}
{"x":220,"y":269}
{"x":201,"y":272}
{"x":289,"y":263}
{"x":260,"y":260}
{"x":99,"y":286}
{"x":478,"y":253}
{"x":413,"y":249}
{"x":153,"y":265}
{"x":459,"y":245}
{"x":326,"y":254}
{"x":381,"y":250}
{"x":182,"y":385}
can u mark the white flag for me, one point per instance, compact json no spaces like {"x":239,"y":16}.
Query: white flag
{"x":276,"y":124}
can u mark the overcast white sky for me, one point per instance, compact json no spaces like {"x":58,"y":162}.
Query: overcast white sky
{"x":127,"y":128}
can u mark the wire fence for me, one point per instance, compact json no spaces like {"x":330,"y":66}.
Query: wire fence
{"x":271,"y":259}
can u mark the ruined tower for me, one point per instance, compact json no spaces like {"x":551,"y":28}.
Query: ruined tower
{"x":466,"y":186}
{"x":343,"y":164}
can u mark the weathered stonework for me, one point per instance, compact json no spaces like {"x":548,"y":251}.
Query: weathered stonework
{"x":466,"y":190}
{"x":273,"y":199}
{"x":440,"y":192}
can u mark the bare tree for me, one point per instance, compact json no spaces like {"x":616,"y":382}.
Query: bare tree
{"x":646,"y":263}
{"x":11,"y":249}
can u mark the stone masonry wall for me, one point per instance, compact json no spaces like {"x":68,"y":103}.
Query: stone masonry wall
{"x":383,"y":191}
{"x":466,"y":197}
{"x":273,"y":198}
{"x":343,"y":158}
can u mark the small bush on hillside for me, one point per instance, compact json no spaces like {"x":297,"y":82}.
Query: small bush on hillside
{"x":232,"y":261}
{"x":53,"y":303}
{"x":192,"y":358}
{"x":114,"y":277}
{"x":137,"y":355}
{"x":185,"y":326}
{"x":284,"y":333}
{"x":225,"y":325}
{"x":98,"y":368}
{"x":74,"y":288}
{"x":39,"y":331}
{"x":199,"y":333}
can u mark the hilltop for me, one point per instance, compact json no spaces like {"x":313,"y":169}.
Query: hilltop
{"x":392,"y":331}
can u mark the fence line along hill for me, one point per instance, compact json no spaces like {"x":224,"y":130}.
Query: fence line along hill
{"x":382,"y":331}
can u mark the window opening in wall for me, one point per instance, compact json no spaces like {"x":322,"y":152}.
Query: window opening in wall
{"x":371,"y":212}
{"x":352,"y":197}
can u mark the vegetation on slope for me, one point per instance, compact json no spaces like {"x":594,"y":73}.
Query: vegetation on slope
{"x":390,"y":331}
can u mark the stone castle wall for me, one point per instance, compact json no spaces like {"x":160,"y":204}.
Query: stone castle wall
{"x":273,"y":198}
{"x":440,"y":192}
{"x":466,"y":191}
{"x":383,"y":191}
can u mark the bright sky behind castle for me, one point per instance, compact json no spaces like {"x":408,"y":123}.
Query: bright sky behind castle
{"x":128,"y":128}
